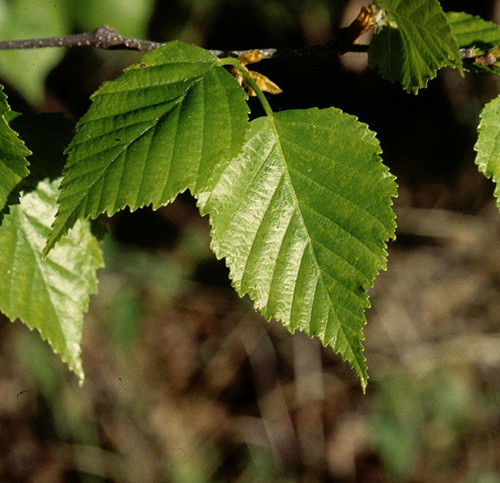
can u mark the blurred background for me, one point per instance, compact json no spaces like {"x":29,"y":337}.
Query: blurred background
{"x":184,"y":381}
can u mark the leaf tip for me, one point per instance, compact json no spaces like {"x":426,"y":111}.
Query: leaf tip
{"x":48,"y":247}
{"x":54,"y":236}
{"x":364,"y":384}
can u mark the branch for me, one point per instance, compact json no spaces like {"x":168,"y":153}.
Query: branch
{"x":101,"y":38}
{"x":108,"y":38}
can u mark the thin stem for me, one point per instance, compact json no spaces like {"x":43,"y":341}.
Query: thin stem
{"x":331,"y":47}
{"x":248,"y":79}
{"x":109,"y":39}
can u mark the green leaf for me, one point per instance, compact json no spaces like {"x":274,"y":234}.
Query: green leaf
{"x":47,"y":134}
{"x":50,"y":296}
{"x":163,"y":127}
{"x":302,"y":217}
{"x":488,"y":144}
{"x":26,"y":70}
{"x":129,"y":17}
{"x":480,"y":37}
{"x":13,"y":153}
{"x":416,"y":41}
{"x":470,"y":30}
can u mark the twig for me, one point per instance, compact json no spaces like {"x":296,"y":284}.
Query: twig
{"x":297,"y":51}
{"x":102,"y":38}
{"x":108,"y":38}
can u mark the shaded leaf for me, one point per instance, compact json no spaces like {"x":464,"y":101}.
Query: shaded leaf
{"x":480,"y":38}
{"x":414,"y":44}
{"x":302,"y":217}
{"x":163,"y":127}
{"x":13,"y":153}
{"x":50,"y":296}
{"x":470,"y":30}
{"x":47,"y":134}
{"x":488,"y":144}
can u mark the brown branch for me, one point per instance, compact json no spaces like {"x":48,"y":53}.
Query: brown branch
{"x":109,"y":39}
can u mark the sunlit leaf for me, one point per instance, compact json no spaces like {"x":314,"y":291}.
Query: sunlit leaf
{"x":163,"y":127}
{"x":488,"y":144}
{"x":414,"y":44}
{"x":52,"y":296}
{"x":302,"y":217}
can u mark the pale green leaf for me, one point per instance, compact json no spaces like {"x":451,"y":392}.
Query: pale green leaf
{"x":50,"y":296}
{"x":26,"y":70}
{"x":162,"y":127}
{"x":414,"y":44}
{"x":302,"y":217}
{"x":488,"y":144}
{"x":13,"y":153}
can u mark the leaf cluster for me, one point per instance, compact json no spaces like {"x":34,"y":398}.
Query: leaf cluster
{"x":299,"y":201}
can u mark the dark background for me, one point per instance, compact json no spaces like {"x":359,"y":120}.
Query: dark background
{"x":186,"y":383}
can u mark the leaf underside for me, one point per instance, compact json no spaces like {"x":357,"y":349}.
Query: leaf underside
{"x":163,"y":127}
{"x":50,"y":296}
{"x":421,"y":44}
{"x":488,"y":144}
{"x":302,"y":217}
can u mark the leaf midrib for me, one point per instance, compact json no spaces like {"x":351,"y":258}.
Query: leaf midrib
{"x":272,"y":123}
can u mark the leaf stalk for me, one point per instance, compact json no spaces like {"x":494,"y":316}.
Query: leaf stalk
{"x":248,"y":79}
